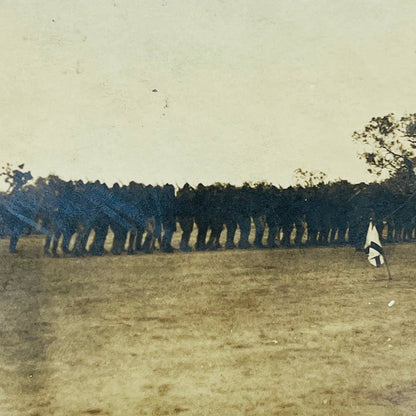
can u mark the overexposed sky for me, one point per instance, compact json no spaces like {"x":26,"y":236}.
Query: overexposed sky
{"x":246,"y":90}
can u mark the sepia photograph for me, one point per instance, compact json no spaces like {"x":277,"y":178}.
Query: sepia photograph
{"x":207,"y":207}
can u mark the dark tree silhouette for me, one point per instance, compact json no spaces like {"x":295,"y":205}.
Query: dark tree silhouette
{"x":309,"y":178}
{"x":389,"y":145}
{"x":16,"y":178}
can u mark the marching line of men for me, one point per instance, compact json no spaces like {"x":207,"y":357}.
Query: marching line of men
{"x":142,"y":217}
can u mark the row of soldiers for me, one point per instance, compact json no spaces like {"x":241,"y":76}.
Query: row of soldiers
{"x":143,"y":217}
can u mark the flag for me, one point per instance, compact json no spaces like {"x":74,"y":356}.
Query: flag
{"x":373,"y":245}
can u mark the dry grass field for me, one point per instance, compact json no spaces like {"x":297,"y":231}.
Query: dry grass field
{"x":257,"y":332}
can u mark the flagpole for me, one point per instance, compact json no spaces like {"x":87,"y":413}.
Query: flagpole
{"x":387,"y":266}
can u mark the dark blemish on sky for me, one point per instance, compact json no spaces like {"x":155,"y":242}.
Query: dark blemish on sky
{"x":155,"y":90}
{"x":165,"y":107}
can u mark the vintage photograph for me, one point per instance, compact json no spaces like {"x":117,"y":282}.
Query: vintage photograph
{"x":207,"y":207}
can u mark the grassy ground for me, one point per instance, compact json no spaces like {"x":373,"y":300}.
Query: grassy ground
{"x":257,"y":332}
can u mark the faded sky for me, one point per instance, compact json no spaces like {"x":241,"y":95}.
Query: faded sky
{"x":246,"y":90}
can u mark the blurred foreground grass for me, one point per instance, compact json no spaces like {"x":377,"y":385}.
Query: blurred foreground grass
{"x":276,"y":332}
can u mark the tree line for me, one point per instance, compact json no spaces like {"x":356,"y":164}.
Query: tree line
{"x":145,"y":217}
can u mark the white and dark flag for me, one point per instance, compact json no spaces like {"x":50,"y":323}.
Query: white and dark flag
{"x":373,"y":246}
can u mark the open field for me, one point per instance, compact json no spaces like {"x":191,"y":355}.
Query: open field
{"x":257,"y":332}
